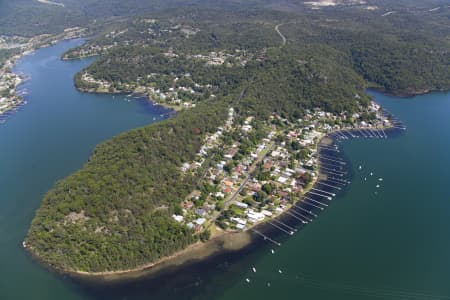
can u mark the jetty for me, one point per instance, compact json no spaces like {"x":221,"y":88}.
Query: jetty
{"x":332,"y":166}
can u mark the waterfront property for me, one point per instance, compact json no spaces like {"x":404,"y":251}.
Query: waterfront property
{"x":20,"y":46}
{"x":335,"y":242}
{"x":245,"y":183}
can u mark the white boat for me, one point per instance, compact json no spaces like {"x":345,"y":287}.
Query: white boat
{"x":254,"y":269}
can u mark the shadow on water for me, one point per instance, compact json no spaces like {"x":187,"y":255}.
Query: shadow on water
{"x":189,"y":281}
{"x":205,"y":279}
{"x":197,"y":279}
{"x":44,"y":140}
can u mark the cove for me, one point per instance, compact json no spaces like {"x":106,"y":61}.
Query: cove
{"x":47,"y":139}
{"x":390,"y":242}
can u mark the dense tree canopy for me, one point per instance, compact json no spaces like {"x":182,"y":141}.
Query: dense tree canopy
{"x":115,"y":213}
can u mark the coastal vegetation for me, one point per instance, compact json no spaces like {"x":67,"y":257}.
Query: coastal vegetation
{"x":397,"y":59}
{"x":5,"y":54}
{"x":127,"y":222}
{"x":117,"y":212}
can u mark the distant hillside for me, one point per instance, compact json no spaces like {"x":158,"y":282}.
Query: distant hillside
{"x":32,"y":17}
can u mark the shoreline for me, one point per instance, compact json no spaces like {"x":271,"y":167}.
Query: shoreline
{"x":405,"y":95}
{"x":230,"y":241}
{"x":33,"y":44}
{"x":194,"y":251}
{"x":221,"y":243}
{"x":174,"y":108}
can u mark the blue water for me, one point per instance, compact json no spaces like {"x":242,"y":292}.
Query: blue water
{"x":47,"y":139}
{"x":391,"y":242}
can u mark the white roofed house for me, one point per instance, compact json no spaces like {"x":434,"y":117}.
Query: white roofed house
{"x":293,"y":183}
{"x":240,"y":226}
{"x":310,"y":162}
{"x":288,"y":172}
{"x":178,"y":218}
{"x":282,"y":180}
{"x":275,"y":153}
{"x":254,"y":217}
{"x":203,"y":151}
{"x":228,"y":156}
{"x":239,"y":221}
{"x":200,"y":221}
{"x":240,"y":204}
{"x":220,"y":165}
{"x":185,"y":167}
{"x":266,"y":213}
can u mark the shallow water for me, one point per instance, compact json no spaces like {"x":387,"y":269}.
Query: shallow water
{"x":391,"y":242}
{"x":47,"y":139}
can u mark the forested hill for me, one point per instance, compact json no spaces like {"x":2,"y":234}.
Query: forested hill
{"x":115,"y":213}
{"x":403,"y":53}
{"x":33,"y":17}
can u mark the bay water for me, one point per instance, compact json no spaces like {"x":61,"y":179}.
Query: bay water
{"x":386,"y":242}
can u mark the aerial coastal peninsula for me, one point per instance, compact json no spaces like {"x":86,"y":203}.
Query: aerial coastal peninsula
{"x":255,"y":93}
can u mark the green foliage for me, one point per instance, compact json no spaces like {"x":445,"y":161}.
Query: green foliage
{"x":267,"y":188}
{"x":125,"y":194}
{"x":406,"y":54}
{"x":115,"y":213}
{"x":395,"y":67}
{"x":205,"y":235}
{"x":307,"y":177}
{"x":291,"y":81}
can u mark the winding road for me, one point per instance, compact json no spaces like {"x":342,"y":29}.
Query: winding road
{"x":277,"y":29}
